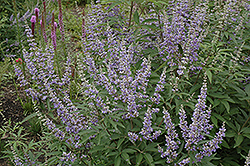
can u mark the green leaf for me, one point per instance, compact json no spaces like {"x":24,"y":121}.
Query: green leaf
{"x":149,"y":20}
{"x":218,"y":117}
{"x":194,"y":88}
{"x":160,"y":3}
{"x":247,"y":89}
{"x":151,"y":147}
{"x":86,"y":137}
{"x":238,"y":140}
{"x":246,"y":130}
{"x":239,"y":90}
{"x":216,"y":103}
{"x":129,"y":151}
{"x":225,"y":144}
{"x":230,"y":133}
{"x":97,"y":148}
{"x":125,"y":156}
{"x":214,"y":121}
{"x":29,"y":117}
{"x":144,"y":36}
{"x":115,"y":136}
{"x":139,"y":158}
{"x":218,"y":95}
{"x":180,"y":49}
{"x":120,"y":124}
{"x":226,"y":104}
{"x":231,"y":125}
{"x":247,"y":135}
{"x":136,"y":17}
{"x":53,"y":154}
{"x":209,"y":75}
{"x":112,"y":154}
{"x":246,"y":47}
{"x":120,"y":142}
{"x":113,"y":123}
{"x":118,"y":161}
{"x":148,"y":158}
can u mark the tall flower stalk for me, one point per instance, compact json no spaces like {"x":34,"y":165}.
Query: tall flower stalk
{"x":61,"y":27}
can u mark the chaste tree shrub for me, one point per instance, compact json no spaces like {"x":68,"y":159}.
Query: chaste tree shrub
{"x":157,"y":83}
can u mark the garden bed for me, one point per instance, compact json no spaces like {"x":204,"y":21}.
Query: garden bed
{"x":130,"y":83}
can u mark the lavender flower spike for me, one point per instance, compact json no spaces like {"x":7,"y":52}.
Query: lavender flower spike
{"x":53,"y":30}
{"x":60,"y":18}
{"x":247,"y":163}
{"x":37,"y":13}
{"x":172,"y":145}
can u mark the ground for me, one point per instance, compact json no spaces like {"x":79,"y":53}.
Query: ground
{"x":10,"y":108}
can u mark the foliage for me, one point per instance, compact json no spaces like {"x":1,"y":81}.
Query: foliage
{"x":4,"y":68}
{"x":156,"y":83}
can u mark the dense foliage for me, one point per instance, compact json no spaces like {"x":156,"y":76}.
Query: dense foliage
{"x":150,"y":83}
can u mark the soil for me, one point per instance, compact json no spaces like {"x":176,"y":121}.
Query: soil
{"x":10,"y":106}
{"x":10,"y":110}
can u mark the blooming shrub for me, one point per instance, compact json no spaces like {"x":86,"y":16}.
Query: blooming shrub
{"x":137,"y":78}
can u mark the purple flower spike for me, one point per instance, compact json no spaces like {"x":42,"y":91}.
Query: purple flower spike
{"x":37,"y":13}
{"x":53,"y":31}
{"x":55,"y":25}
{"x":33,"y":21}
{"x":60,"y":18}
